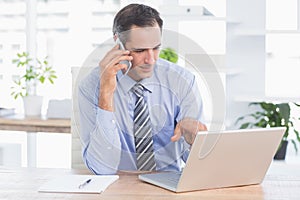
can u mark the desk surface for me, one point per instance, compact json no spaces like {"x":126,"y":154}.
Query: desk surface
{"x":281,"y":182}
{"x":35,"y":124}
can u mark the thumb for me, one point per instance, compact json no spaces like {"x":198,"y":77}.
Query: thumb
{"x":201,"y":127}
{"x":177,"y":134}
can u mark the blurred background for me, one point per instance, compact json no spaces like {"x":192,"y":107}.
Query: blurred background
{"x":255,"y":46}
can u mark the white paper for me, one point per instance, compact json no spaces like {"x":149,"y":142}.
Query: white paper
{"x":70,"y":183}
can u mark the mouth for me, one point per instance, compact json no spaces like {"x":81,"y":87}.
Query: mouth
{"x":146,"y":68}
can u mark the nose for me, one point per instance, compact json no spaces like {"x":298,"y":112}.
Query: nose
{"x":149,"y":59}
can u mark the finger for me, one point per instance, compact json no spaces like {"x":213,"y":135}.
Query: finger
{"x":177,"y":133}
{"x":117,"y":46}
{"x":125,"y":57}
{"x":113,"y":53}
{"x":120,"y":66}
{"x":116,"y":61}
{"x":116,"y":50}
{"x":112,"y":71}
{"x":202,"y":127}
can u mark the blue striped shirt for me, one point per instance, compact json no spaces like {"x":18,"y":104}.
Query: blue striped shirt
{"x":107,"y":137}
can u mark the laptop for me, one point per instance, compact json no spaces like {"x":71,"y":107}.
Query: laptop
{"x":223,"y":159}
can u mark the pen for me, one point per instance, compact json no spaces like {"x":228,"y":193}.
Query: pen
{"x":84,"y":184}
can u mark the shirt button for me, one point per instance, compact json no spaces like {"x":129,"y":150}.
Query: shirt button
{"x":113,"y":121}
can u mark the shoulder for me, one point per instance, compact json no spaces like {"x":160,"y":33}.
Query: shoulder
{"x":88,"y":78}
{"x":172,"y":70}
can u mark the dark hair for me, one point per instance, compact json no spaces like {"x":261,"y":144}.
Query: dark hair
{"x":136,"y":14}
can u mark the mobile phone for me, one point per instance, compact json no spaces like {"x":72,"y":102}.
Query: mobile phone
{"x":128,"y":63}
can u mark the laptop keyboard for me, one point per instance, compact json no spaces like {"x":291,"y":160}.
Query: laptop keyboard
{"x":168,"y":178}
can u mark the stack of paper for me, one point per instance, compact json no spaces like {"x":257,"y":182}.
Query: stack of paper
{"x":71,"y":183}
{"x":6,"y":111}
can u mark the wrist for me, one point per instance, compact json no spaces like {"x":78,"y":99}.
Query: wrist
{"x":106,"y":101}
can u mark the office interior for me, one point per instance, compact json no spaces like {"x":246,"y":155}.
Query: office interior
{"x":250,"y":49}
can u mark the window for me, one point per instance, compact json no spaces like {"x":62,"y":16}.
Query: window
{"x":12,"y":39}
{"x":67,"y":32}
{"x":283,"y":49}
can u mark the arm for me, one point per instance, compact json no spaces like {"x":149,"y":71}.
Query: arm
{"x":190,"y":117}
{"x":99,"y":131}
{"x":98,"y":134}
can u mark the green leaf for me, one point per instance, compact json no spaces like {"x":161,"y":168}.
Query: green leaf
{"x":285,"y":111}
{"x":42,"y":79}
{"x":239,"y":119}
{"x":245,"y":125}
{"x":297,"y":135}
{"x":261,"y":123}
{"x":15,"y":61}
{"x":297,"y":104}
{"x":33,"y":74}
{"x":38,"y":61}
{"x":169,"y":54}
{"x":253,"y":103}
{"x":295,"y":145}
{"x":273,"y":115}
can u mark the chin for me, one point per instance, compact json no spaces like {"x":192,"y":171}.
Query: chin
{"x":142,"y":76}
{"x":141,"y":73}
{"x":147,"y":75}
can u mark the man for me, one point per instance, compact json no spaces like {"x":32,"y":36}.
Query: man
{"x":145,"y":119}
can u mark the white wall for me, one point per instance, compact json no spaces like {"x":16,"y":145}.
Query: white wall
{"x":245,"y":51}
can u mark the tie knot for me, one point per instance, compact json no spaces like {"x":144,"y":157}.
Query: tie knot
{"x":138,"y":89}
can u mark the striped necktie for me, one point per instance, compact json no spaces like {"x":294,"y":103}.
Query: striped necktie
{"x":143,"y":132}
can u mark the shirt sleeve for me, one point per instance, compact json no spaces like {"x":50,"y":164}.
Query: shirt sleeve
{"x":98,"y":132}
{"x":191,"y":107}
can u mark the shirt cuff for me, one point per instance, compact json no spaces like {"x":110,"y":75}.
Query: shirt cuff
{"x":106,"y":122}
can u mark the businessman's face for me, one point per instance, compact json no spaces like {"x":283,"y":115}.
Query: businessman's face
{"x":143,"y":44}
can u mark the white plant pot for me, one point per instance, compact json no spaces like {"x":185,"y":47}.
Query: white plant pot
{"x":33,"y":105}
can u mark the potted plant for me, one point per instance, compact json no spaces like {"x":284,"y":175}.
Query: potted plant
{"x":273,"y":115}
{"x":169,"y":54}
{"x":36,"y":71}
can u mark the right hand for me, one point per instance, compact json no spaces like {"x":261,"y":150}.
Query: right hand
{"x":188,"y":128}
{"x":109,"y":67}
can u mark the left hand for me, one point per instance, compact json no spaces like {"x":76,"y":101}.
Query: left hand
{"x":188,"y":128}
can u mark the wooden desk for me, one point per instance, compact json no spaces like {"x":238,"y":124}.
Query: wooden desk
{"x":32,"y":125}
{"x":35,"y":124}
{"x":281,"y":182}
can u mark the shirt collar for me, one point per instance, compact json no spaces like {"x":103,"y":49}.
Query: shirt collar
{"x":148,"y":82}
{"x":126,"y":83}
